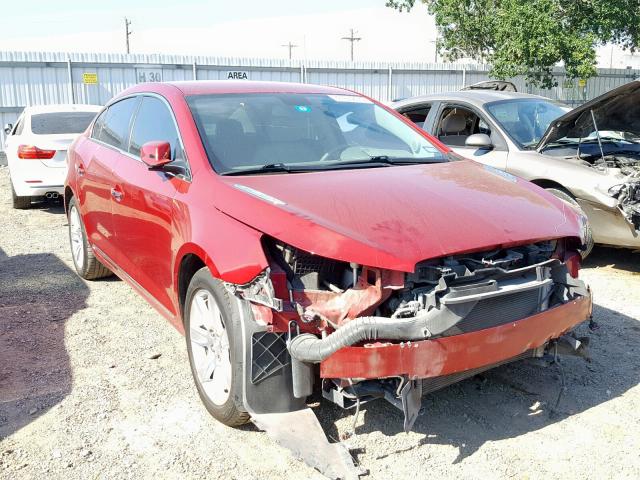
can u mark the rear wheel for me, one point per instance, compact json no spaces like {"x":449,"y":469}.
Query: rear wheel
{"x":20,"y":203}
{"x":213,"y":333}
{"x":86,"y":263}
{"x":567,"y":197}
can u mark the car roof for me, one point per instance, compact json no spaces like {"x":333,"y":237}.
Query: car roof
{"x":476,"y":97}
{"x":61,"y":107}
{"x":203,"y":87}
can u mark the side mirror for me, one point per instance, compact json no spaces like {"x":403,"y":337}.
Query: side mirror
{"x":156,"y":154}
{"x":8,"y":128}
{"x":479,"y":140}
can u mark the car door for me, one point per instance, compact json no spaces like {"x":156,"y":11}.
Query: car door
{"x":95,"y":161}
{"x":142,"y":212}
{"x":456,"y":122}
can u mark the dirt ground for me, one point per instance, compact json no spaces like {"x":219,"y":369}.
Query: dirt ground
{"x":84,"y":395}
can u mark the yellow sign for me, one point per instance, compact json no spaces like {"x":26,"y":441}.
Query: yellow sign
{"x":90,"y":78}
{"x":582,"y":82}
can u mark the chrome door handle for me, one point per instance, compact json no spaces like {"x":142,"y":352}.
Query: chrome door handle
{"x":116,"y":194}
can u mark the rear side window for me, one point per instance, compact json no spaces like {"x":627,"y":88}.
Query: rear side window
{"x":97,"y":125}
{"x":418,"y":115}
{"x":19,"y":127}
{"x":57,"y":123}
{"x":115,"y":126}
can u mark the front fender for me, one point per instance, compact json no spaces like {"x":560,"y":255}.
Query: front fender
{"x":231,"y":250}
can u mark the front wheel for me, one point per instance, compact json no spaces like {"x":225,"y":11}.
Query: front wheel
{"x":214,"y":343}
{"x":568,"y":198}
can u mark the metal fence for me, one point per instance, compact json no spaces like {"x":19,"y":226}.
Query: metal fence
{"x":32,"y":78}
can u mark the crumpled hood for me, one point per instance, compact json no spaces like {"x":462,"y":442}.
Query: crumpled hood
{"x":616,"y":110}
{"x":394,"y":217}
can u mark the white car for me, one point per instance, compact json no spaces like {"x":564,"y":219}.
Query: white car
{"x":36,"y":149}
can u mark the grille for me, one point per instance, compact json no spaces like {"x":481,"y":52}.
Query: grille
{"x":307,"y":263}
{"x":496,"y":311}
{"x":436,"y":383}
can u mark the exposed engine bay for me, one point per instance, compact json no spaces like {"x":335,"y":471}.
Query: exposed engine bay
{"x":332,"y":306}
{"x":451,"y":294}
{"x":625,"y":165}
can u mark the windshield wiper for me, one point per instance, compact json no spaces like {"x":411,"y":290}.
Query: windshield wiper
{"x":561,"y":142}
{"x":386,"y":160}
{"x":269,"y":168}
{"x":373,"y":161}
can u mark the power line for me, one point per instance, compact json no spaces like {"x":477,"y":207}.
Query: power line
{"x":127,"y":32}
{"x":290,"y":46}
{"x":352,"y":38}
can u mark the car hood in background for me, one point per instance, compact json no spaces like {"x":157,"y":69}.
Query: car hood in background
{"x":616,"y":110}
{"x":394,"y":217}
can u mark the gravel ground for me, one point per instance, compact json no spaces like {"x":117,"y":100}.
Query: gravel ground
{"x":84,"y":394}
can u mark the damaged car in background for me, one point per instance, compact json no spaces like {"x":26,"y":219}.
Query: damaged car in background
{"x":309,"y":240}
{"x":589,"y":156}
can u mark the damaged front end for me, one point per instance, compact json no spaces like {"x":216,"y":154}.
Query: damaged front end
{"x":380,"y":334}
{"x":604,"y":134}
{"x":628,"y":196}
{"x":624,"y":170}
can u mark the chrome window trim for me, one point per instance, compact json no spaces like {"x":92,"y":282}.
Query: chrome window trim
{"x":188,"y":177}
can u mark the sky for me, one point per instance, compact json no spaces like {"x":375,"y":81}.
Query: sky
{"x":242,"y":28}
{"x":246,"y":28}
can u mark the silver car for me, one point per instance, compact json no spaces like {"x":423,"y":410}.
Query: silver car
{"x":589,"y":156}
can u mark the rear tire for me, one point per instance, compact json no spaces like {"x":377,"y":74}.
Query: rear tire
{"x":20,"y":203}
{"x":567,"y":197}
{"x":84,"y":260}
{"x":214,"y":344}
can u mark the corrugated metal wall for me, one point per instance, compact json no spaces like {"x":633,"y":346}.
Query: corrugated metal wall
{"x":31,"y":78}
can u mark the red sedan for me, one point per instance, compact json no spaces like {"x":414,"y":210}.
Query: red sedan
{"x":284,"y":226}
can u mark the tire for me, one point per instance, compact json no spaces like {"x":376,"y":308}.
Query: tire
{"x":84,"y":260}
{"x":20,"y":203}
{"x":222,"y":399}
{"x":567,"y":197}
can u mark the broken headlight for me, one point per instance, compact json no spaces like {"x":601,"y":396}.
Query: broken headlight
{"x":259,"y":290}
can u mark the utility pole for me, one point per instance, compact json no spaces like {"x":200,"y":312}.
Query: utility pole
{"x":352,"y":38}
{"x":435,"y":49}
{"x":127,"y":32}
{"x":611,"y":57}
{"x":290,"y":46}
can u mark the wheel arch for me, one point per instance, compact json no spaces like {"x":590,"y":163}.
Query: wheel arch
{"x":545,"y":183}
{"x":192,"y":257}
{"x":188,"y":265}
{"x":68,"y":194}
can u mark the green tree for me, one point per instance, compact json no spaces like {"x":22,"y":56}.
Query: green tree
{"x":529,"y":37}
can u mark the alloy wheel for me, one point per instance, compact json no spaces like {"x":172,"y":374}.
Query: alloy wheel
{"x":210,"y":347}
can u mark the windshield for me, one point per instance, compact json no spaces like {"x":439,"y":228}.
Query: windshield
{"x":247,"y":132}
{"x":526,"y":120}
{"x":60,"y":122}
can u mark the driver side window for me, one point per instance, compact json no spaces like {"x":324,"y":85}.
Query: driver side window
{"x":457,"y":123}
{"x":154,"y":122}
